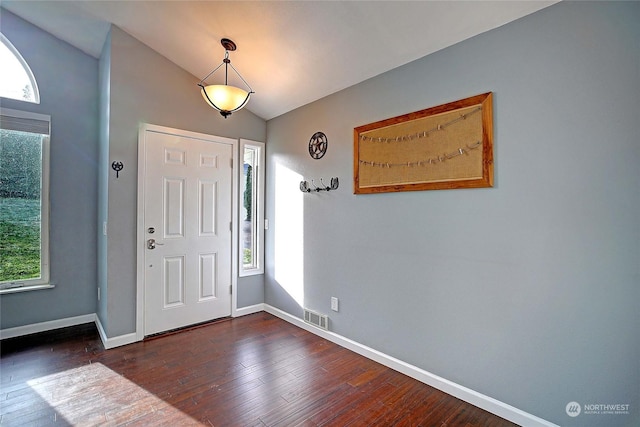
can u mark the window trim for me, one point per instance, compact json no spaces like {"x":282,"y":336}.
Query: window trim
{"x":34,"y":84}
{"x":259,"y":178}
{"x":43,"y":282}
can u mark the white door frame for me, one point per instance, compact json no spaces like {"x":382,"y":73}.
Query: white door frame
{"x":140,"y":234}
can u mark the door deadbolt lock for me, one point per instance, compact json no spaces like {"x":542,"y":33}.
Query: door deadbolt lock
{"x":151,"y":230}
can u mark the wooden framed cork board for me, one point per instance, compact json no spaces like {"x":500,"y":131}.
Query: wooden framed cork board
{"x":443,"y":147}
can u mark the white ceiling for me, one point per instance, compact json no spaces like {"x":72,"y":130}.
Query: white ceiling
{"x":290,"y":52}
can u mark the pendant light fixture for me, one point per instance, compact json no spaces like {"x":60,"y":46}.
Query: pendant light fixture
{"x":225,"y":98}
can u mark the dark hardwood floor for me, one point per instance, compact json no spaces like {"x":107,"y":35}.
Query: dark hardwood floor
{"x":256,"y":370}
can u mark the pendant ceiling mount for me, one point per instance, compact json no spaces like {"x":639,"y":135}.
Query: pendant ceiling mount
{"x":228,"y":45}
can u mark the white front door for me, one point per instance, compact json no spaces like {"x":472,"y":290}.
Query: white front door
{"x":187,"y":229}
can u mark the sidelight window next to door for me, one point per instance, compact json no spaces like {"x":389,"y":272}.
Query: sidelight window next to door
{"x":251,"y":208}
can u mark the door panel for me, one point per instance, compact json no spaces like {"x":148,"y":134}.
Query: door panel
{"x":188,"y":201}
{"x":173,"y":281}
{"x":173,"y":204}
{"x":208,"y":276}
{"x":207,"y":202}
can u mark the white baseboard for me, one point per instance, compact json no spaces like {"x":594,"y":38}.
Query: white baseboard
{"x":115,"y":341}
{"x":46,"y":326}
{"x":487,"y":403}
{"x":69,"y":321}
{"x":248,"y":310}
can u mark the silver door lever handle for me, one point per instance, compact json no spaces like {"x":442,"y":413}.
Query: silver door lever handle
{"x":151,"y":244}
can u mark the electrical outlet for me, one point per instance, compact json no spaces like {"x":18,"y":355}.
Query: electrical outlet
{"x":334,"y":303}
{"x":98,"y":294}
{"x":104,"y":228}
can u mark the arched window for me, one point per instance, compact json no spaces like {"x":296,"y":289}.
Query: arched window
{"x":24,"y":180}
{"x":16,"y":79}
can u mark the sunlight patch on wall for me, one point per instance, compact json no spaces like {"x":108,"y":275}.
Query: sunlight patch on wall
{"x":289,"y":233}
{"x":105,"y":398}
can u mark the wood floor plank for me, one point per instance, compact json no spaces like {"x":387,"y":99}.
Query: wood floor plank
{"x":353,"y":404}
{"x":256,"y":371}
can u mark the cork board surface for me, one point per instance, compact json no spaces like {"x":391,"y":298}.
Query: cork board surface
{"x":448,"y":146}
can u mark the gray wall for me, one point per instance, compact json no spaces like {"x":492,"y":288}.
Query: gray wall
{"x":67,"y":80}
{"x":250,"y":290}
{"x":527,"y":292}
{"x":146,"y":87}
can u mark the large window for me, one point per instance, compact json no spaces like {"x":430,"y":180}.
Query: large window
{"x":24,"y":200}
{"x":252,"y":208}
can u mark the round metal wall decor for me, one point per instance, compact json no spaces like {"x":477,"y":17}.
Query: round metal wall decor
{"x":318,"y":145}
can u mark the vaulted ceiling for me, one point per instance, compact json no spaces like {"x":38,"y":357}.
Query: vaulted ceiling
{"x":290,"y":52}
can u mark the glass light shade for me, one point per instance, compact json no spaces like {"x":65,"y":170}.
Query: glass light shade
{"x":225,"y":97}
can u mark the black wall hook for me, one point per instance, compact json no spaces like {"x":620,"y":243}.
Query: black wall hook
{"x":117,"y":166}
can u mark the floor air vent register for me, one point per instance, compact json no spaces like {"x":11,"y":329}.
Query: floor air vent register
{"x":316,"y":319}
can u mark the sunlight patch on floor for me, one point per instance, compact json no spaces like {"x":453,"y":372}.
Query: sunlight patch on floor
{"x":94,"y":394}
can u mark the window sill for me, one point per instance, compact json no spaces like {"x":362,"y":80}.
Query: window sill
{"x":25,"y":288}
